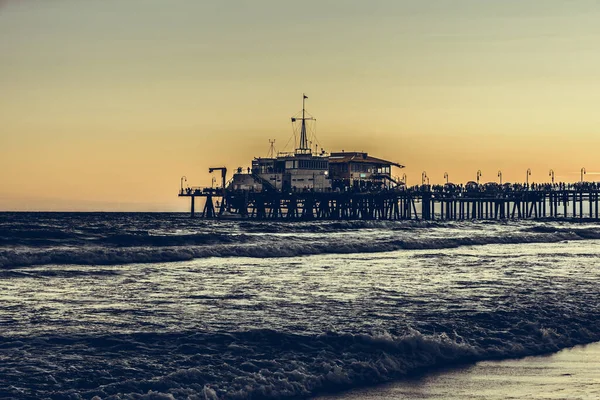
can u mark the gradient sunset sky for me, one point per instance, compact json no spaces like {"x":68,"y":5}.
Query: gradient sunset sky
{"x":104,"y":105}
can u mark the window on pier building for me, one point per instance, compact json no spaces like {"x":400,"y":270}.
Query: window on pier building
{"x":263,"y":166}
{"x":312,"y":164}
{"x":361,"y":167}
{"x":338,"y":169}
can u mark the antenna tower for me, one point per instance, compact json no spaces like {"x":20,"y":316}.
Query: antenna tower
{"x":271,"y":149}
{"x":304,"y":147}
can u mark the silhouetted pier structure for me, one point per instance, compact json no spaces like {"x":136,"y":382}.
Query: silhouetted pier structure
{"x":447,"y":202}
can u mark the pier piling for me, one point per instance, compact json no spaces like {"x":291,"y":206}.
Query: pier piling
{"x":406,"y":204}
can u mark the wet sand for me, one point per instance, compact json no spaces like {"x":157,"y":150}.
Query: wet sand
{"x":569,"y":374}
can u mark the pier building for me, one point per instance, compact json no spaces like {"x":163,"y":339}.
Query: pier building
{"x":313,"y":184}
{"x":308,"y":169}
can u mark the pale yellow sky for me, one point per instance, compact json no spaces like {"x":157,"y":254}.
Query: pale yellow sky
{"x":105,"y":105}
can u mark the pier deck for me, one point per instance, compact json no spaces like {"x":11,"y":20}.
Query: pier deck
{"x":416,"y":203}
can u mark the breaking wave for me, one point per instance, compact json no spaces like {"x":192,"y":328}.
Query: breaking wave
{"x":265,"y":364}
{"x":337,"y":226}
{"x":582,"y":233}
{"x":143,"y":238}
{"x":147,"y":249}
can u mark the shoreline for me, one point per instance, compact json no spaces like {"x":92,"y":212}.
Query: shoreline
{"x":571,"y":373}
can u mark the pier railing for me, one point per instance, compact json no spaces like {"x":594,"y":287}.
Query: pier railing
{"x":437,"y":202}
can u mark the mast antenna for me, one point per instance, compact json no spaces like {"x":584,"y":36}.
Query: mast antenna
{"x":271,"y":149}
{"x":304,"y":147}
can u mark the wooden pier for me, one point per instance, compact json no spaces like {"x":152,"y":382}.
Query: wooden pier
{"x":567,"y":201}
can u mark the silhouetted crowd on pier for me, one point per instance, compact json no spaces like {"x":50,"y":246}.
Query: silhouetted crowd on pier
{"x":469,"y":188}
{"x":492,"y":187}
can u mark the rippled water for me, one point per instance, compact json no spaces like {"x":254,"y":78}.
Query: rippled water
{"x":158,"y":305}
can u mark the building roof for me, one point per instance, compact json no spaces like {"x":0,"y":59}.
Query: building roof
{"x":359,"y":157}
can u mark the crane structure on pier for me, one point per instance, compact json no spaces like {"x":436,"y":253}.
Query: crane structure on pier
{"x":223,"y":174}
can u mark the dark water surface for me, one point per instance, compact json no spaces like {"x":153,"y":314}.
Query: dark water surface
{"x":129,"y":306}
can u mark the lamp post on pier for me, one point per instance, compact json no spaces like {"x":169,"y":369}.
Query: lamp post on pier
{"x":404,"y":179}
{"x":423,"y":177}
{"x":478,"y":175}
{"x":583,"y":172}
{"x":446,"y":177}
{"x":527,"y":177}
{"x":500,"y":176}
{"x":551,"y":174}
{"x":183,"y":178}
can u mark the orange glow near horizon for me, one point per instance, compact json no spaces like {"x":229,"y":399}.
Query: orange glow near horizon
{"x":105,"y":105}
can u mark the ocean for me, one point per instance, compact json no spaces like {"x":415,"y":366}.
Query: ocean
{"x":161,"y":306}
